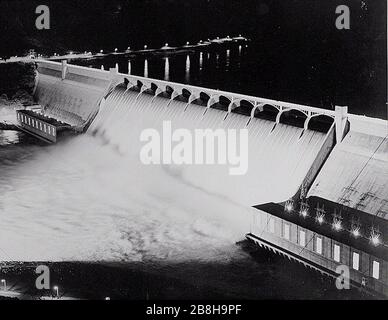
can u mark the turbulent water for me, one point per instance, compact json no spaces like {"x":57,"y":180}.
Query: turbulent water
{"x":83,"y":200}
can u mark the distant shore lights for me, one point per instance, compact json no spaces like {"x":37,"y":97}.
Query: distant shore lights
{"x":145,"y":68}
{"x":166,"y":69}
{"x":187,"y":74}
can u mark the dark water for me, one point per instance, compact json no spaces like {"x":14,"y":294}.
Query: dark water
{"x":321,"y":76}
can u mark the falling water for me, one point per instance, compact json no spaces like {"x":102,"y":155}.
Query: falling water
{"x":278,"y":159}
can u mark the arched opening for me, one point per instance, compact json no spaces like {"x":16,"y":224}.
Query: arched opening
{"x":128,"y":85}
{"x":186,"y":93}
{"x":293,"y":117}
{"x":154,"y":87}
{"x":222,"y":104}
{"x":138,"y":86}
{"x":167,"y":92}
{"x":321,"y":123}
{"x":184,"y":96}
{"x":269,"y":112}
{"x":202,"y":100}
{"x":244,"y":107}
{"x":164,"y":92}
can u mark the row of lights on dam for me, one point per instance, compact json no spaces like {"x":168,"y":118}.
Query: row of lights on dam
{"x":167,"y":64}
{"x":336,"y":223}
{"x":240,"y":47}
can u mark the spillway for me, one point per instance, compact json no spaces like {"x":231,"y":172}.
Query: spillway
{"x":69,"y":94}
{"x":280,"y":156}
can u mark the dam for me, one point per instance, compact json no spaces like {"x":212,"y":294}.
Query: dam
{"x":318,"y":178}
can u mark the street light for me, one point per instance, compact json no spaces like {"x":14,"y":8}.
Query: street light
{"x":356,"y":231}
{"x":4,"y":282}
{"x":320,"y":219}
{"x":289,"y":206}
{"x":337,"y":225}
{"x":107,"y":298}
{"x":375,"y":238}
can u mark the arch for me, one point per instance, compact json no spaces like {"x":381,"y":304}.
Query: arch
{"x":268,"y":111}
{"x":204,"y":97}
{"x":220,"y":102}
{"x":319,"y":122}
{"x":241,"y":106}
{"x":292,"y":117}
{"x":154,"y":87}
{"x":257,"y":106}
{"x":129,"y":84}
{"x":186,"y":93}
{"x":169,"y":89}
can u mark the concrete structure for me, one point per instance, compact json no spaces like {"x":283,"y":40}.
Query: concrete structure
{"x":321,"y":195}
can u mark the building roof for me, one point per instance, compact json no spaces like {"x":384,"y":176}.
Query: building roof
{"x":356,"y":174}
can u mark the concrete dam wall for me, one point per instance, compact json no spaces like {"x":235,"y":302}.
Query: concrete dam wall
{"x":282,"y":156}
{"x":68,"y":93}
{"x":279,"y":155}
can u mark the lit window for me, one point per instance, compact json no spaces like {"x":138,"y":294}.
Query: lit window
{"x":271,"y":225}
{"x":302,"y":238}
{"x":29,"y":121}
{"x":286,"y":231}
{"x":356,"y":261}
{"x":44,"y":127}
{"x":376,"y":270}
{"x":337,"y":253}
{"x":318,"y":245}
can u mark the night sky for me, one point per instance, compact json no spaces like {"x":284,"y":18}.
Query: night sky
{"x":94,"y":24}
{"x":294,"y":37}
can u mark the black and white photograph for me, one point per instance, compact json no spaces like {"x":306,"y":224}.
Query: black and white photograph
{"x":193,"y":150}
